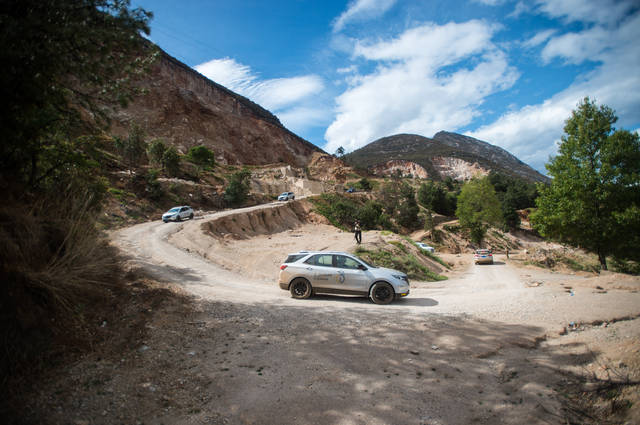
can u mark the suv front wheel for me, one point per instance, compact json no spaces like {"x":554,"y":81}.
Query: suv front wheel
{"x":381,"y":293}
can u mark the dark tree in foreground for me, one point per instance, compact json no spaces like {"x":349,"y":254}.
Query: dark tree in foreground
{"x":62,"y":60}
{"x":594,"y":198}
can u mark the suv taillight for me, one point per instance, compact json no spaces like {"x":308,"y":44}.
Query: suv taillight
{"x":282,"y":267}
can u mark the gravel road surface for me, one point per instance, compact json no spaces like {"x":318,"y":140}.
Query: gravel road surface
{"x":481,"y":347}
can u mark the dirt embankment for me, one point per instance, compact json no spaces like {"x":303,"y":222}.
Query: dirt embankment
{"x":253,"y":242}
{"x":266,"y":221}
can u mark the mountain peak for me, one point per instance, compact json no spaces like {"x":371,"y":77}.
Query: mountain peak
{"x":445,"y":155}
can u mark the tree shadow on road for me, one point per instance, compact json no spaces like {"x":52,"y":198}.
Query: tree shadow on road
{"x":214,"y":362}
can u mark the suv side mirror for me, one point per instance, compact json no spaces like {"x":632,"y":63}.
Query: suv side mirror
{"x":361,"y":267}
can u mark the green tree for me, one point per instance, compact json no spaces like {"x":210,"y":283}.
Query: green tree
{"x":478,"y":207}
{"x":364,"y":184}
{"x":339,"y":151}
{"x":514,"y":194}
{"x":390,"y":197}
{"x":201,"y":156}
{"x":171,"y":161}
{"x":156,"y":151}
{"x":133,"y":147}
{"x":153,"y":186}
{"x":435,"y":197}
{"x":407,"y":211}
{"x":369,"y":214}
{"x":593,"y":200}
{"x":238,"y":189}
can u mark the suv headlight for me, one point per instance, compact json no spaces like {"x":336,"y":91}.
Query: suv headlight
{"x":401,"y":277}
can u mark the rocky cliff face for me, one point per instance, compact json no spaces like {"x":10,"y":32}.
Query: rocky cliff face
{"x":405,"y":168}
{"x":445,"y":155}
{"x":185,"y":109}
{"x":457,"y":169}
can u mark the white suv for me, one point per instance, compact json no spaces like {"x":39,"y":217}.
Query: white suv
{"x":305,"y":273}
{"x":178,"y":214}
{"x":285,"y":196}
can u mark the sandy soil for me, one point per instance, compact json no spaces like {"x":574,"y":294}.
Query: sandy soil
{"x":493,"y":344}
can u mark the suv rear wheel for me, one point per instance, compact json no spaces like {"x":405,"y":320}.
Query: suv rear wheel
{"x":300,"y":288}
{"x":381,"y":293}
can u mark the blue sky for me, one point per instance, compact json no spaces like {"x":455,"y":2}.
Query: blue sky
{"x":345,"y":73}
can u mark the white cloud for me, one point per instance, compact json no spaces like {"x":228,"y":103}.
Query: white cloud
{"x":301,"y":117}
{"x":413,"y":90}
{"x":575,"y":48}
{"x":284,"y":96}
{"x":601,"y":11}
{"x":521,"y":7}
{"x":227,"y":72}
{"x":433,"y":44}
{"x":347,"y":69}
{"x":279,"y":93}
{"x":491,"y":2}
{"x":531,"y":132}
{"x":539,"y":38}
{"x":359,"y":10}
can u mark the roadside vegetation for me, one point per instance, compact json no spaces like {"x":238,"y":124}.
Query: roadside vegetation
{"x":593,"y":200}
{"x":398,"y":257}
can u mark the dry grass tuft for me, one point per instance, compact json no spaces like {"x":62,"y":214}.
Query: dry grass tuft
{"x":54,"y":264}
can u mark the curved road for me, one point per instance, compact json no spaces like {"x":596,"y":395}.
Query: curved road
{"x":497,"y":292}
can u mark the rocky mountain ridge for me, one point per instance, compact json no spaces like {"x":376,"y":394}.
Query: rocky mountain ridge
{"x":184,"y":109}
{"x":445,"y":155}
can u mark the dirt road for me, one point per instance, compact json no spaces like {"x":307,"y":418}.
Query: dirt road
{"x":481,"y":347}
{"x":499,"y":292}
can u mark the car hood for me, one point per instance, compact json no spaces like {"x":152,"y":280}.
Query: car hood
{"x":383,"y":271}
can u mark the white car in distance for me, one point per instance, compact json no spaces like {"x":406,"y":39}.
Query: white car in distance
{"x":423,"y":246}
{"x":285,"y":196}
{"x":178,"y":214}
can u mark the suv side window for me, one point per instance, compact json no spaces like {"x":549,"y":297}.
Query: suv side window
{"x":295,"y":257}
{"x":325,"y":260}
{"x":345,"y":262}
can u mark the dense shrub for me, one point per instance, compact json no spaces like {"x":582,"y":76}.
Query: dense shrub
{"x":156,"y":151}
{"x":171,"y":161}
{"x":238,"y":188}
{"x":342,"y":211}
{"x":201,"y":156}
{"x":437,"y":198}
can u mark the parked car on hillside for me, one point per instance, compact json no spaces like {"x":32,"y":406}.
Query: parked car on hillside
{"x":178,"y":214}
{"x":285,"y":196}
{"x":306,"y":273}
{"x":425,"y":247}
{"x":483,"y":256}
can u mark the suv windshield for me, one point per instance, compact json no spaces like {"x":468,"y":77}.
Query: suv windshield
{"x":365,"y":263}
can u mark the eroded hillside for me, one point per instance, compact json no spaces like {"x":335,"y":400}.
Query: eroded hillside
{"x":186,"y":109}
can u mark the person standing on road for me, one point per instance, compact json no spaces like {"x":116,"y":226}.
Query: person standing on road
{"x":358,"y":232}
